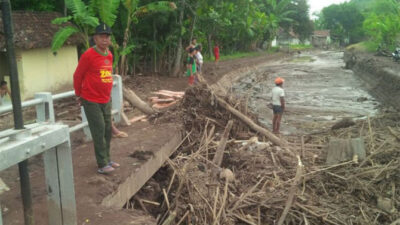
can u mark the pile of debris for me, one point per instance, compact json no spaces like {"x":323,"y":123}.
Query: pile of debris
{"x":231,"y":171}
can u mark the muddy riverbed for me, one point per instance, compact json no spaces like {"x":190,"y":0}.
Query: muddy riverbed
{"x":319,"y":92}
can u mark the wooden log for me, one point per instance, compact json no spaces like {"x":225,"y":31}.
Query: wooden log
{"x":124,"y":119}
{"x":170,"y":219}
{"x":274,"y":139}
{"x":162,"y":100}
{"x":222,"y":144}
{"x":394,"y":133}
{"x":134,"y":100}
{"x":163,"y":105}
{"x":137,"y":118}
{"x":292,"y":192}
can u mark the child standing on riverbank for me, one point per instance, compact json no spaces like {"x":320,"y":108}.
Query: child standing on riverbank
{"x":278,"y":104}
{"x":191,"y":66}
{"x":216,"y":53}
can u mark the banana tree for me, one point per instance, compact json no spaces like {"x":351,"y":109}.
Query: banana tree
{"x":134,"y":11}
{"x":84,"y":19}
{"x":276,"y":12}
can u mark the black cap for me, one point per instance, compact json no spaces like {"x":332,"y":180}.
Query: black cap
{"x":102,"y":28}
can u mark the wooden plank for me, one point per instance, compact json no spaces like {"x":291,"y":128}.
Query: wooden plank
{"x":139,"y":177}
{"x":67,"y":189}
{"x":52,"y":186}
{"x":358,"y":147}
{"x":341,"y":150}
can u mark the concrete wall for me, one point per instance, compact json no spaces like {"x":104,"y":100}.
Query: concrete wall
{"x":41,"y":70}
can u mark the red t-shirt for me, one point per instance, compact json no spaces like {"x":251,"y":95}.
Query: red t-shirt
{"x":216,"y":52}
{"x":93,"y":77}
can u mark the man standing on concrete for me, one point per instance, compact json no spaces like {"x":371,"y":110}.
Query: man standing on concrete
{"x":278,"y":104}
{"x":93,"y":83}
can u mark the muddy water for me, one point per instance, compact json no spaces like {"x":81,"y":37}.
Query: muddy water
{"x":319,"y":92}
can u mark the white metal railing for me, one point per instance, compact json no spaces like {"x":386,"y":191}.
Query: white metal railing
{"x":44,"y":103}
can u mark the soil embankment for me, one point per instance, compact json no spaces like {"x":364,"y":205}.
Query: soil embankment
{"x":380,"y":74}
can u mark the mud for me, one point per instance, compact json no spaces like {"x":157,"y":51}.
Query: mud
{"x":319,"y":92}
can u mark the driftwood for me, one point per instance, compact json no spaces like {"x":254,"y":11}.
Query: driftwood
{"x":274,"y":139}
{"x":135,"y":101}
{"x":221,"y":147}
{"x":124,"y":119}
{"x":292,"y":193}
{"x":392,"y":132}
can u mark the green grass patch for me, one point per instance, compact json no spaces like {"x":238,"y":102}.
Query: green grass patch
{"x":368,"y":46}
{"x":302,"y":59}
{"x":300,"y":47}
{"x":238,"y":55}
{"x":365,"y":46}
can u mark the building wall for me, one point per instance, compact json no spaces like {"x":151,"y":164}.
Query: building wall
{"x":40,"y":70}
{"x":320,"y":41}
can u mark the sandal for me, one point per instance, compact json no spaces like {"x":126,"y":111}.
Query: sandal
{"x":105,"y":170}
{"x":114,"y":164}
{"x":121,"y":134}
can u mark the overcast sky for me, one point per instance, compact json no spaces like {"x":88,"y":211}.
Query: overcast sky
{"x":317,"y":5}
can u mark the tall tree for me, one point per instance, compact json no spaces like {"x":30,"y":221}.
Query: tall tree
{"x":345,"y":22}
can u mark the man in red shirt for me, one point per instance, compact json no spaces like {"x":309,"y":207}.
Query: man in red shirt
{"x":93,"y":83}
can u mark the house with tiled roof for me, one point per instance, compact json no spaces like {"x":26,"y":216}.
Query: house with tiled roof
{"x":39,"y":68}
{"x":321,"y":38}
{"x":287,"y":37}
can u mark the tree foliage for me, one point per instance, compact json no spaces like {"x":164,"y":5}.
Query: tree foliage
{"x":148,"y":33}
{"x":358,"y":20}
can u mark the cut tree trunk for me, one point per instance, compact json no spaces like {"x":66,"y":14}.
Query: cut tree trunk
{"x":135,"y":101}
{"x":210,"y":50}
{"x":178,"y":59}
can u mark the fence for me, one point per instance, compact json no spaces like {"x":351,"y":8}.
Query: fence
{"x":53,"y":141}
{"x":44,"y":103}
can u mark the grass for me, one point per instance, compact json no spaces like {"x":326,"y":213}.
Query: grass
{"x":239,"y":55}
{"x":365,"y":46}
{"x":302,"y":59}
{"x":300,"y":47}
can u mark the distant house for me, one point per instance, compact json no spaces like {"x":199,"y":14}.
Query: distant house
{"x":321,"y":38}
{"x":39,"y":69}
{"x":285,"y":38}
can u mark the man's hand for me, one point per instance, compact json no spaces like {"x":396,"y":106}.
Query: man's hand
{"x":79,"y":101}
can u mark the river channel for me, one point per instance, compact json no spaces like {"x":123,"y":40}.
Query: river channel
{"x":319,"y":92}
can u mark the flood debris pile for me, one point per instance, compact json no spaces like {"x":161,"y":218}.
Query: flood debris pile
{"x":225,"y":173}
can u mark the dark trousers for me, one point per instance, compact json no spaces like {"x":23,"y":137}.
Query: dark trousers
{"x":99,"y":119}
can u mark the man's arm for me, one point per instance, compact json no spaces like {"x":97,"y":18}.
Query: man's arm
{"x":80,"y":73}
{"x":8,"y":92}
{"x":283,"y":103}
